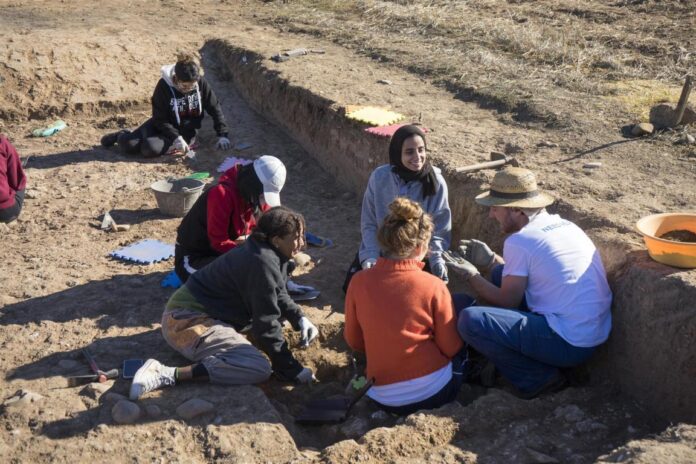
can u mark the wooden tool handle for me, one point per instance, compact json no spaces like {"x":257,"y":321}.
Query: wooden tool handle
{"x":480,"y":166}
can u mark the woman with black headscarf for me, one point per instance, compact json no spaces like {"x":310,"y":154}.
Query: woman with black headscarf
{"x":409,"y":174}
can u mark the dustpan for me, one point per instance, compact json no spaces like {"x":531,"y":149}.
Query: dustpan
{"x":330,"y":410}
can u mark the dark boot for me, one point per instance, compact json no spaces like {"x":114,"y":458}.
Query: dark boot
{"x":109,"y":140}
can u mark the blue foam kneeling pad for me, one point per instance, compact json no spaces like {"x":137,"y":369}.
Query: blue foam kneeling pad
{"x":145,"y":252}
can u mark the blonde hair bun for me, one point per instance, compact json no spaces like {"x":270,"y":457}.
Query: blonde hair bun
{"x":404,"y":228}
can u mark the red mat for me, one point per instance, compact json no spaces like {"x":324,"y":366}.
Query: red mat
{"x":388,"y":131}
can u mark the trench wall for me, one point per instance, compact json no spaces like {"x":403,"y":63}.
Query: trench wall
{"x":651,"y":353}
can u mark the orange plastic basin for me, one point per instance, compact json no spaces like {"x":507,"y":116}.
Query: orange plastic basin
{"x":677,"y":254}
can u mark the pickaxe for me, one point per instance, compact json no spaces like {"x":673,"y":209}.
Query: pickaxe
{"x":497,"y":159}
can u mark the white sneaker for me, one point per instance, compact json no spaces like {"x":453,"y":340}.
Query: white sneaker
{"x":151,"y":376}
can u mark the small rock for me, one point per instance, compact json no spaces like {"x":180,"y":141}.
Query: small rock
{"x":153,"y":410}
{"x":687,"y":139}
{"x":347,"y":196}
{"x":112,"y":397}
{"x":380,"y":415}
{"x":570,"y":413}
{"x":589,"y":425}
{"x":592,"y":165}
{"x":22,"y":398}
{"x":302,"y":259}
{"x":194,"y":407}
{"x":539,"y":457}
{"x":95,"y":390}
{"x":31,"y":194}
{"x":4,"y":228}
{"x":125,"y":412}
{"x":384,"y":81}
{"x":644,"y":128}
{"x":355,"y":427}
{"x":547,"y":144}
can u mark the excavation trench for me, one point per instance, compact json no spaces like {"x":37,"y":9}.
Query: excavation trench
{"x":651,"y":354}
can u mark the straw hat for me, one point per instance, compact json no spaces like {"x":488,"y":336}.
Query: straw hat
{"x":514,"y":188}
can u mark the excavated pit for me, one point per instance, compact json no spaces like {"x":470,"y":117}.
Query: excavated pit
{"x":651,"y":354}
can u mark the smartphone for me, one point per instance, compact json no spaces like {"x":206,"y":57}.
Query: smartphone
{"x":130,"y":367}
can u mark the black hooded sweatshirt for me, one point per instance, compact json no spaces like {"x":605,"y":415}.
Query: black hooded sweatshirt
{"x":190,"y":107}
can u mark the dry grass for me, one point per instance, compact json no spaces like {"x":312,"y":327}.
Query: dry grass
{"x":512,"y":52}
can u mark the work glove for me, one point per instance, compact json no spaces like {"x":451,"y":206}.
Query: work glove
{"x":477,"y":253}
{"x":439,"y":269}
{"x":368,"y":263}
{"x":305,"y":376}
{"x":458,"y":264}
{"x":308,"y":331}
{"x":223,"y":143}
{"x":180,"y":144}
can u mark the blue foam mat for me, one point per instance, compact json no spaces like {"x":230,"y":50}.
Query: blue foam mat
{"x":145,"y":252}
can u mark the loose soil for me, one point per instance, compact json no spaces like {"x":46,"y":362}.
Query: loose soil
{"x":680,"y":236}
{"x":95,"y":65}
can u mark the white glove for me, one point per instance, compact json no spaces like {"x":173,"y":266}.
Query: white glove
{"x":368,"y":263}
{"x":308,"y":331}
{"x":305,"y":376}
{"x":180,"y":144}
{"x":223,"y":143}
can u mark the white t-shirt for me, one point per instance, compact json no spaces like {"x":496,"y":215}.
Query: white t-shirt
{"x":413,"y":390}
{"x":566,"y":281}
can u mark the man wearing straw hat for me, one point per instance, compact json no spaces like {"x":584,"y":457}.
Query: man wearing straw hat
{"x":551,"y":308}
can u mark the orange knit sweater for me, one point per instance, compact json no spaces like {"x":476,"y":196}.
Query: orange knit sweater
{"x":402,"y":319}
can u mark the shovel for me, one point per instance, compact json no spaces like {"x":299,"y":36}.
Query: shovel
{"x":331,"y":410}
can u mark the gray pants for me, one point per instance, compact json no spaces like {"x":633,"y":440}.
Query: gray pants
{"x":227,"y":355}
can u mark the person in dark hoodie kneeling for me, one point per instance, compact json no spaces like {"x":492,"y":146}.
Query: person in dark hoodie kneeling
{"x":12,"y":182}
{"x":243,"y":290}
{"x":223,"y":216}
{"x":178,"y":102}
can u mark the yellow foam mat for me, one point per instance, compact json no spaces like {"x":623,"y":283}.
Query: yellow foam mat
{"x":373,"y":115}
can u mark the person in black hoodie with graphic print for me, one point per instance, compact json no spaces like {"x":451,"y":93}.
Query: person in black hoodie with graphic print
{"x":178,"y":102}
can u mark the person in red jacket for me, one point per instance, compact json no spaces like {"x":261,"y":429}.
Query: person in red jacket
{"x":403,"y":319}
{"x":224,"y":215}
{"x":12,"y":182}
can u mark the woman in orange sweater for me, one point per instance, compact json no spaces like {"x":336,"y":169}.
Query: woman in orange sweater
{"x":403,"y":319}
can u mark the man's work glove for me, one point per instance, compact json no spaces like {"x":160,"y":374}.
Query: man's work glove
{"x":223,"y":143}
{"x":368,"y":263}
{"x":458,"y":264}
{"x":308,"y":331}
{"x":180,"y":145}
{"x":477,"y":253}
{"x":439,"y":269}
{"x":305,"y":376}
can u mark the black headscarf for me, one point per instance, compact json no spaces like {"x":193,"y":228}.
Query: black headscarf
{"x":426,"y":175}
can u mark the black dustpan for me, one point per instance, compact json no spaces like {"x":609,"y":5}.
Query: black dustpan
{"x":331,"y":410}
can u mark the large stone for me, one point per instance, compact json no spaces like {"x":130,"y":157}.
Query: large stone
{"x":643,"y":128}
{"x":125,"y":412}
{"x":22,"y":398}
{"x":194,"y":407}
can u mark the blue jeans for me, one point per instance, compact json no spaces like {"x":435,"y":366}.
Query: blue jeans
{"x":524,"y":349}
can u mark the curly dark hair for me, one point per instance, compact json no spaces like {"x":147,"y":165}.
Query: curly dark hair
{"x":279,"y":221}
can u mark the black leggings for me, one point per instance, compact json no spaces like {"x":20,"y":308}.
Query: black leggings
{"x":12,"y":213}
{"x":145,"y":141}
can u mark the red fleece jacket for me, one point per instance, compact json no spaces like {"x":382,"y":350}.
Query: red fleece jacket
{"x":228,"y":214}
{"x":12,"y":176}
{"x":402,"y":318}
